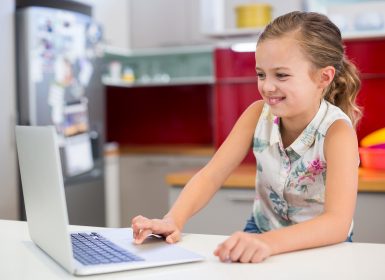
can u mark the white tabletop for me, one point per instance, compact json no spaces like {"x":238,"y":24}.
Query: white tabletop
{"x":21,"y":259}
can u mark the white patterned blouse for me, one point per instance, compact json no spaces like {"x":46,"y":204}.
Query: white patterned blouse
{"x":290,"y":183}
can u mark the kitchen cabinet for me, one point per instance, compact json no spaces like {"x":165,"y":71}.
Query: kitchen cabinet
{"x":235,"y":89}
{"x":226,"y":213}
{"x":143,"y":189}
{"x":368,"y":56}
{"x":369,"y":224}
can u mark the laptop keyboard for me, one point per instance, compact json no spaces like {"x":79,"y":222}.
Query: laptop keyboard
{"x":92,"y":248}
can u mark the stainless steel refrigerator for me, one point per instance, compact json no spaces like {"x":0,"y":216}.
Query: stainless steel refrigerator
{"x":59,"y":67}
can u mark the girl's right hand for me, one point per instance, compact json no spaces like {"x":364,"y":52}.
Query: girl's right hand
{"x":143,"y":227}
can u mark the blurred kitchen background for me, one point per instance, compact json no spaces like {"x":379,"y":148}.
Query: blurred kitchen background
{"x":142,"y":93}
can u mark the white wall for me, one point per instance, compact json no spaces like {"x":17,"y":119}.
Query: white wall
{"x":113,"y":15}
{"x":9,"y":194}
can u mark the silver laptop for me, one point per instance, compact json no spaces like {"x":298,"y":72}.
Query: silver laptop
{"x":43,"y":189}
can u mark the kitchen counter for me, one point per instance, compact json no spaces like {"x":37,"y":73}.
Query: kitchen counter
{"x":185,"y":150}
{"x":244,"y":177}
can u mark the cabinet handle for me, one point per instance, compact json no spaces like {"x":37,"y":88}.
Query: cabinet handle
{"x":240,"y":198}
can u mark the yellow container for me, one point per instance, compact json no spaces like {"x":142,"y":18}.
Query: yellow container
{"x":253,"y":15}
{"x":375,"y":138}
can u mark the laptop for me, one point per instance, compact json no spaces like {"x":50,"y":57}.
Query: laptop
{"x":112,"y":249}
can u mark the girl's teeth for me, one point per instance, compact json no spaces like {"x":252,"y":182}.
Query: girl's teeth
{"x":275,"y":100}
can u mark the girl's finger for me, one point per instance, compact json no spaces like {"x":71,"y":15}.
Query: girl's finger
{"x":173,"y":237}
{"x":237,"y":251}
{"x":225,"y":248}
{"x":247,"y":254}
{"x":142,"y":236}
{"x":136,"y":224}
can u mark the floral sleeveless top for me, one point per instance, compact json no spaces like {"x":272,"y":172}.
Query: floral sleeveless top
{"x":290,"y":183}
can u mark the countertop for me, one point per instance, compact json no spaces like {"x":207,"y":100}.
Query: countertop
{"x":370,"y":180}
{"x":244,"y":177}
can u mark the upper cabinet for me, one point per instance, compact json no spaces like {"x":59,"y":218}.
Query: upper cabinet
{"x":368,"y":54}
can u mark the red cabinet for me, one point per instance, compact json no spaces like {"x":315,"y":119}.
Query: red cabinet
{"x":369,"y":57}
{"x":367,"y":54}
{"x":204,"y":114}
{"x":235,"y":89}
{"x":372,"y":99}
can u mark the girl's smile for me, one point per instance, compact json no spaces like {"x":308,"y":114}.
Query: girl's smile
{"x":274,"y":100}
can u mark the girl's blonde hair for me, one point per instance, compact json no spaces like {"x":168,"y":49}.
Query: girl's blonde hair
{"x":321,"y":42}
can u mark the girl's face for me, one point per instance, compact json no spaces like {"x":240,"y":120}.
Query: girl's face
{"x":286,"y":80}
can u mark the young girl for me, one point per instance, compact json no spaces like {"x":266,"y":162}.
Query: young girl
{"x":304,"y":142}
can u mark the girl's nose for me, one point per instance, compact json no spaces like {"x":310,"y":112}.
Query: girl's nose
{"x":268,"y":85}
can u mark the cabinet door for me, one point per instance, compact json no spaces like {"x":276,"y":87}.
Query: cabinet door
{"x":369,"y":224}
{"x":144,"y":190}
{"x":226,"y":213}
{"x":372,"y":99}
{"x":232,"y":64}
{"x":367,"y":54}
{"x":236,"y":88}
{"x":231,"y":99}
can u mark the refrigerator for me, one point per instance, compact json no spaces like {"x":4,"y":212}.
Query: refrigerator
{"x":59,"y":65}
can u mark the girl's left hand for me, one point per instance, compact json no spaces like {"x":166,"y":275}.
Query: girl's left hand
{"x":243,"y":247}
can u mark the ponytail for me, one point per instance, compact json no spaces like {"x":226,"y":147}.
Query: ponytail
{"x":343,"y":90}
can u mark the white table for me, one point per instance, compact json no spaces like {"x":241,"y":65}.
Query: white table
{"x":21,"y":259}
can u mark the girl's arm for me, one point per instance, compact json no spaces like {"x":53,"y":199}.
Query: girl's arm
{"x":200,"y":189}
{"x":341,"y":153}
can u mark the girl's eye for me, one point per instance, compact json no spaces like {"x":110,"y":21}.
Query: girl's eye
{"x":281,"y":75}
{"x":260,"y":76}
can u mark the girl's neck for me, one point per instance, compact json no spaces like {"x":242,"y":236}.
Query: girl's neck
{"x":290,"y":132}
{"x":291,"y":128}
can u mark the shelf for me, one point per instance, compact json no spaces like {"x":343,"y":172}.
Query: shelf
{"x":115,"y":51}
{"x":172,"y":82}
{"x":160,"y":67}
{"x":353,"y":35}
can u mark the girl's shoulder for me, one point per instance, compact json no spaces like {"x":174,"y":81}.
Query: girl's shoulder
{"x":340,"y":135}
{"x":255,"y":110}
{"x":258,"y":105}
{"x":332,"y":116}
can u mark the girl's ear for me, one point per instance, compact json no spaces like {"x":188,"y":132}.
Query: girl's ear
{"x":327,"y":76}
